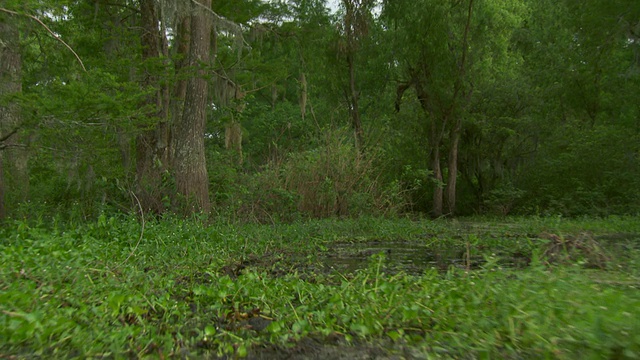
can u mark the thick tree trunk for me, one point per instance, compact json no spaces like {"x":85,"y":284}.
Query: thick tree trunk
{"x":151,"y":144}
{"x":13,"y":155}
{"x":164,"y":127}
{"x":183,"y":40}
{"x":191,"y":176}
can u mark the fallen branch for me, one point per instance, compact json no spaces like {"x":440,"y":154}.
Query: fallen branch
{"x":50,"y":32}
{"x":8,"y":135}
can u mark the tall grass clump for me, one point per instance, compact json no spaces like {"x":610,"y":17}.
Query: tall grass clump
{"x":333,"y":179}
{"x":336,"y":179}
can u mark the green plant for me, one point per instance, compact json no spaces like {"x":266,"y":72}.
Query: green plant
{"x":175,"y":288}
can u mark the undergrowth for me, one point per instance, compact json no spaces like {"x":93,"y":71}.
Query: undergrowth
{"x":186,"y":289}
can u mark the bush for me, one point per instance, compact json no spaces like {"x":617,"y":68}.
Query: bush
{"x":336,"y":179}
{"x":333,"y":179}
{"x":591,"y":171}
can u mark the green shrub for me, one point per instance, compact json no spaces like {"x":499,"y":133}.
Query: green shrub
{"x":336,"y":179}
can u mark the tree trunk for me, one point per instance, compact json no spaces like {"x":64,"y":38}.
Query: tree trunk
{"x":233,"y":140}
{"x":151,"y":144}
{"x":183,"y":39}
{"x":356,"y":123}
{"x":191,"y":176}
{"x":13,"y":158}
{"x":354,"y":27}
{"x":453,"y":167}
{"x":436,"y":210}
{"x":164,"y":129}
{"x":233,"y":129}
{"x":303,"y":95}
{"x":435,"y":141}
{"x":274,"y":96}
{"x":454,"y":134}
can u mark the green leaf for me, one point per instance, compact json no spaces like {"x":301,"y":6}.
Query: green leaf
{"x":210,"y":330}
{"x":242,"y":351}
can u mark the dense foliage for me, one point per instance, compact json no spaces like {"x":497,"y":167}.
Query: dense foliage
{"x":117,"y":288}
{"x":252,"y":178}
{"x":297,"y":110}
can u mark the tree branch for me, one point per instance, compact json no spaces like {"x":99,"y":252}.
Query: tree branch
{"x":233,"y":27}
{"x":6,"y":137}
{"x":50,"y":32}
{"x":399,"y":93}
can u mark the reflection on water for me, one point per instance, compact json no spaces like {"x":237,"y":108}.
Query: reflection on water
{"x":415,"y":258}
{"x":409,"y":257}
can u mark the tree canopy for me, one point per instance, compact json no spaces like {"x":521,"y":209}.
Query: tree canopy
{"x":275,"y":110}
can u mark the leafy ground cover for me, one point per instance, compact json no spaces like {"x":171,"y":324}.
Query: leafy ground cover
{"x":120,"y":288}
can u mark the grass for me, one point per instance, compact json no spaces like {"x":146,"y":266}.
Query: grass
{"x":176,"y":289}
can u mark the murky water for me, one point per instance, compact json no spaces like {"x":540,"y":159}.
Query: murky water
{"x":409,"y":257}
{"x":415,"y":258}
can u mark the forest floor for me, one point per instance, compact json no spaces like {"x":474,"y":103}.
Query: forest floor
{"x":364,"y":288}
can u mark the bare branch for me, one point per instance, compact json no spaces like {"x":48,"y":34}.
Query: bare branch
{"x":6,"y":146}
{"x":50,"y":32}
{"x":141,"y":233}
{"x":6,"y":137}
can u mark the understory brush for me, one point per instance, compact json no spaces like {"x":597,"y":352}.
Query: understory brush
{"x":332,"y":179}
{"x":183,"y":289}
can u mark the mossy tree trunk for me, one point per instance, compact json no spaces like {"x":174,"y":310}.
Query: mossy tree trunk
{"x":152,"y":151}
{"x":192,"y":181}
{"x":179,"y":91}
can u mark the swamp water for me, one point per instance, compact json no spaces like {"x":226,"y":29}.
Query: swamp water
{"x":415,"y":258}
{"x":408,"y":257}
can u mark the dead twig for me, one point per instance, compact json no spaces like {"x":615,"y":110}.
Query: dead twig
{"x":141,"y":233}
